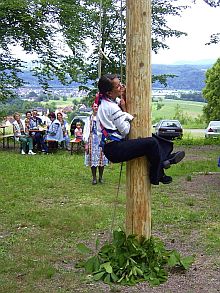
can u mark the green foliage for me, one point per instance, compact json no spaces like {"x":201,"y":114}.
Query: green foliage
{"x":186,"y":119}
{"x":211,"y":92}
{"x":128,"y":260}
{"x":190,"y":141}
{"x":17,"y":105}
{"x":159,"y":104}
{"x":36,"y":25}
{"x":192,"y":97}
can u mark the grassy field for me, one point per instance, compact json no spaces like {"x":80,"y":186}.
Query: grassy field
{"x":193,"y":109}
{"x":48,"y":205}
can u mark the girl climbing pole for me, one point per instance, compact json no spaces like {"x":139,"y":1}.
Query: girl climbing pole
{"x":114,"y":124}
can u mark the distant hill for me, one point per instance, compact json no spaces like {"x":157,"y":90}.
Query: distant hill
{"x":188,"y":77}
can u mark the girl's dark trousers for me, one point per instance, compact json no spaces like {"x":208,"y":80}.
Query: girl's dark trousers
{"x":156,"y":149}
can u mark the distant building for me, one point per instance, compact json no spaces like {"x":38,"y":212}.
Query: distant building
{"x":41,"y":110}
{"x":68,"y":109}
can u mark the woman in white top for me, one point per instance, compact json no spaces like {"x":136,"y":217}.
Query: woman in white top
{"x":94,"y":156}
{"x":21,"y":134}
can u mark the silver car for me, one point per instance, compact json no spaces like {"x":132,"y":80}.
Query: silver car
{"x":213,"y":129}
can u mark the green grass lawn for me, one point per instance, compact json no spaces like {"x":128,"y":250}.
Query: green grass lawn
{"x":48,"y":205}
{"x":168,"y":110}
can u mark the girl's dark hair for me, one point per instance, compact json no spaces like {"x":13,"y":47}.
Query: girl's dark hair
{"x":52,"y":115}
{"x":105,"y":83}
{"x":59,"y":113}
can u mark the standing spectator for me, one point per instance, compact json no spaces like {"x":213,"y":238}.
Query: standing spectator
{"x":65,"y":126}
{"x":21,"y":134}
{"x":94,"y":156}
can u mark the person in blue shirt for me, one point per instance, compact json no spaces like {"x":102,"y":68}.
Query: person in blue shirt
{"x":54,"y":131}
{"x":34,"y":123}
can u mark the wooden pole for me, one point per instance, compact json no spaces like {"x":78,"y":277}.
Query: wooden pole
{"x":138,"y":91}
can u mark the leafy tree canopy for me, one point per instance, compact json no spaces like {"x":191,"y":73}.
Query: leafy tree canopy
{"x":211,"y":92}
{"x":41,"y":26}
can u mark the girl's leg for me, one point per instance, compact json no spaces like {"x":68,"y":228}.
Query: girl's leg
{"x":101,"y":170}
{"x":134,"y":148}
{"x":94,"y":179}
{"x":130,"y":149}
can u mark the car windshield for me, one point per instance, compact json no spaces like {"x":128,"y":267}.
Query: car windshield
{"x":215,"y":123}
{"x":170,"y":124}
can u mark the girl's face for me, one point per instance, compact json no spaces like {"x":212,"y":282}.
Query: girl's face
{"x":116,"y":91}
{"x":78,"y":125}
{"x":59,"y":116}
{"x":95,"y":108}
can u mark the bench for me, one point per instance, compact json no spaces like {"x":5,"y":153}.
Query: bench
{"x":52,"y":145}
{"x":77,"y":144}
{"x":6,"y":138}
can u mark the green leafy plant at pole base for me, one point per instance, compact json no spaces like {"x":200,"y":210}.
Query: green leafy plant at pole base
{"x":128,"y":261}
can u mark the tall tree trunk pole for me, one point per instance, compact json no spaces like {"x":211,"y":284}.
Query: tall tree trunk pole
{"x":138,"y":89}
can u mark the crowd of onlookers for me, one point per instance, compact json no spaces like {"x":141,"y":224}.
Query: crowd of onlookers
{"x":36,"y":132}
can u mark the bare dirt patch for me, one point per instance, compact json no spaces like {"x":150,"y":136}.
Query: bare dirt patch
{"x":195,"y":153}
{"x":201,"y":183}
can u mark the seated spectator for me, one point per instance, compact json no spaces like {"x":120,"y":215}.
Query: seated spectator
{"x":65,"y":126}
{"x":21,"y":134}
{"x":35,"y":123}
{"x":78,"y":132}
{"x":54,"y":131}
{"x":27,"y":119}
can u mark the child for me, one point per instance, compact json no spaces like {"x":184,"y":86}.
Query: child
{"x":78,"y":132}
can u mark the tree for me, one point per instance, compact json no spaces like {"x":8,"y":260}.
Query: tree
{"x":214,"y":38}
{"x":212,"y":3}
{"x":40,"y":26}
{"x":109,"y":39}
{"x":211,"y":92}
{"x":36,"y":25}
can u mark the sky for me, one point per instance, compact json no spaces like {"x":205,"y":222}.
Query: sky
{"x":199,"y":22}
